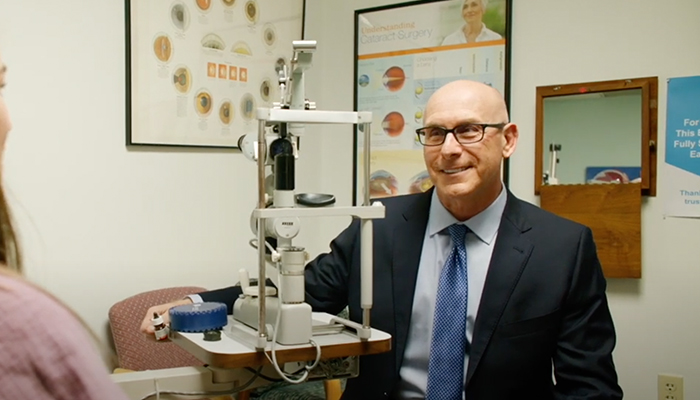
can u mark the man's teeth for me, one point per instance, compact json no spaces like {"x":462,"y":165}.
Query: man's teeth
{"x":453,"y":171}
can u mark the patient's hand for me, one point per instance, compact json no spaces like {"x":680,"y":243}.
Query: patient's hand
{"x":147,"y":325}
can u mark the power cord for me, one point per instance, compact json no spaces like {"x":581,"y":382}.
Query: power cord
{"x":271,"y":379}
{"x":273,"y":361}
{"x":287,"y":377}
{"x":245,"y":386}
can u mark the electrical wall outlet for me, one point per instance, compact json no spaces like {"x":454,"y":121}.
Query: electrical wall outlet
{"x":670,"y":387}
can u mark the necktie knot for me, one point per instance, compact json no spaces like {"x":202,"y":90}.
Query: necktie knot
{"x":458,"y":232}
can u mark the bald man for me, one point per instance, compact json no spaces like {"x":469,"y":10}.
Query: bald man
{"x":486,"y":296}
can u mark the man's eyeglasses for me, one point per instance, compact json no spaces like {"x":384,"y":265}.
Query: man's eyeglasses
{"x":465,"y":133}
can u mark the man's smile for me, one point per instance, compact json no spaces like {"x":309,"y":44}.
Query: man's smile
{"x":454,"y":170}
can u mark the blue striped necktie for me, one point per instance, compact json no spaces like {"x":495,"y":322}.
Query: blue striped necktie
{"x":448,"y":345}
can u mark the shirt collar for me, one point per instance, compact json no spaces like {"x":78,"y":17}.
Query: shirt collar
{"x":484,"y":29}
{"x":484,"y":225}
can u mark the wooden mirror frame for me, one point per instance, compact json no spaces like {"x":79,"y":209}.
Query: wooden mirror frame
{"x":649,"y":88}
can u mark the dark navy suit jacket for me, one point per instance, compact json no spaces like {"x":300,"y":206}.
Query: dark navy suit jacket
{"x":543,"y":304}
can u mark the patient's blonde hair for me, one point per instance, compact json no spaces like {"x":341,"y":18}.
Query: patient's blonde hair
{"x":10,"y":254}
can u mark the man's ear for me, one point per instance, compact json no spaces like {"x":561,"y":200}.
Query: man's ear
{"x":510,"y":136}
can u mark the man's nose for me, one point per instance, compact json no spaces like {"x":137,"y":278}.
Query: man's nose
{"x":451,"y":145}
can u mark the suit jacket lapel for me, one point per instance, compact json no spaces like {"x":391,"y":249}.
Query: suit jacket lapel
{"x":407,"y":242}
{"x":509,"y":257}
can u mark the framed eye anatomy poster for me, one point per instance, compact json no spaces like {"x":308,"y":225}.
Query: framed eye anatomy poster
{"x":403,"y":54}
{"x":197,"y":69}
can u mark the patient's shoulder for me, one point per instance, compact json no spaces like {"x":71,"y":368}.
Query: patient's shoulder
{"x":24,"y":306}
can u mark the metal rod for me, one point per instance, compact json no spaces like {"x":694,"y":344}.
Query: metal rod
{"x":262,"y":150}
{"x":365,"y":317}
{"x":366,"y":278}
{"x":262,"y":155}
{"x":366,"y":166}
{"x":366,"y":238}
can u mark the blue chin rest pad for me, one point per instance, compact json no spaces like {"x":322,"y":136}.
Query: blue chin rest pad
{"x":198,"y":317}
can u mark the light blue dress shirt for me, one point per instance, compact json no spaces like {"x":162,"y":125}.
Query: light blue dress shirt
{"x":481,"y":236}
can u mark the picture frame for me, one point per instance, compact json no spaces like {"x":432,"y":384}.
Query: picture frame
{"x":613,"y":174}
{"x":196,"y":70}
{"x":403,"y":53}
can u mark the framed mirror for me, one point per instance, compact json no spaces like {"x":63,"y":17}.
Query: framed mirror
{"x":597,"y":132}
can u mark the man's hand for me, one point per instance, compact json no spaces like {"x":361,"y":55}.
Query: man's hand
{"x":162,"y":310}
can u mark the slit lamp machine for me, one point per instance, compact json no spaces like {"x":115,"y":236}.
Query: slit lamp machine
{"x":273,"y":334}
